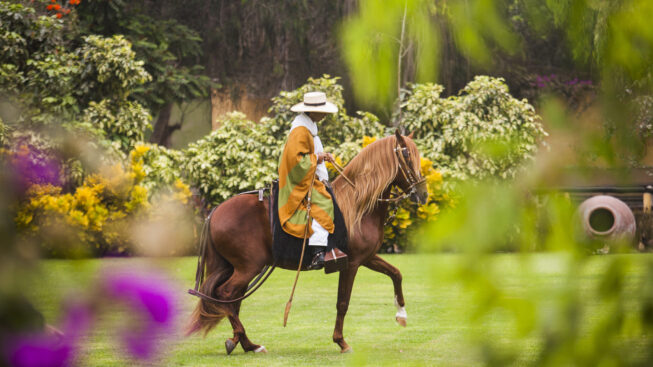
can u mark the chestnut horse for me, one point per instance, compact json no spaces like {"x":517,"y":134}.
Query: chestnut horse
{"x":240,"y":243}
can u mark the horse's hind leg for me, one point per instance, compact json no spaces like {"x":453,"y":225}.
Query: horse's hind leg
{"x":378,"y":264}
{"x":233,"y":288}
{"x":230,"y":344}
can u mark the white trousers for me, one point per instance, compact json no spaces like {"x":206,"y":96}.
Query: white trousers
{"x":320,"y":235}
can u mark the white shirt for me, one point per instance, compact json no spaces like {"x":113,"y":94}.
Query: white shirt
{"x":303,"y":120}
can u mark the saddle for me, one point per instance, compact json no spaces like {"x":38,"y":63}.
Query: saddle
{"x":286,"y":249}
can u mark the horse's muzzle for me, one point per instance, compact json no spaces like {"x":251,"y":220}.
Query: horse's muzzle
{"x":419,"y":197}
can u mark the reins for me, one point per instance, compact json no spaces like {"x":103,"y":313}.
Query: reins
{"x":340,"y":171}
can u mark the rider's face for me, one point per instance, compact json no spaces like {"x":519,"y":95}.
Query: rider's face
{"x":316,"y":116}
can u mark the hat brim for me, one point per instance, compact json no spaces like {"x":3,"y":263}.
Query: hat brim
{"x":327,"y":107}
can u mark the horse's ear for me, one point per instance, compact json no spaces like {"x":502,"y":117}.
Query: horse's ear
{"x":400,"y":139}
{"x":411,"y":134}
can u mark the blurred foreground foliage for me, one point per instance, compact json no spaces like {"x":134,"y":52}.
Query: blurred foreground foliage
{"x":614,"y":41}
{"x":497,"y":216}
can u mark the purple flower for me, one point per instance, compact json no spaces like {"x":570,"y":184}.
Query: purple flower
{"x":49,"y":350}
{"x":77,"y":322}
{"x":40,"y":351}
{"x":152,"y":302}
{"x":34,"y":167}
{"x":145,"y":294}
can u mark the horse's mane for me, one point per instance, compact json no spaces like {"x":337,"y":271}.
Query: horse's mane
{"x":372,"y":171}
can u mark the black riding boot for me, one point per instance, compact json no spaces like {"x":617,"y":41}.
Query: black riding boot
{"x":318,"y":258}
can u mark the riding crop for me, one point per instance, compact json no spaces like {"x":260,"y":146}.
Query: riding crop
{"x":301,"y":257}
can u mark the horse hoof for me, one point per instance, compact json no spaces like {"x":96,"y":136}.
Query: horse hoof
{"x":229,"y":345}
{"x":401,"y":321}
{"x":260,"y":349}
{"x":347,"y":349}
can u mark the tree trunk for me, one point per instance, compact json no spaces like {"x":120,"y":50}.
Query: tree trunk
{"x":162,"y":130}
{"x":215,"y":108}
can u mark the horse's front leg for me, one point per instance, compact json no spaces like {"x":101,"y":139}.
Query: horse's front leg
{"x":378,"y":264}
{"x":345,"y":285}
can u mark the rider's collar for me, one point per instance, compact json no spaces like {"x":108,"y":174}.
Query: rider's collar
{"x":303,"y":120}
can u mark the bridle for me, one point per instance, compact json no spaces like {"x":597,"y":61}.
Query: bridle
{"x":413,"y":178}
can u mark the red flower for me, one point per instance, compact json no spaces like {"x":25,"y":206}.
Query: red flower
{"x":59,"y":15}
{"x":53,"y":1}
{"x":49,"y":7}
{"x":57,"y":7}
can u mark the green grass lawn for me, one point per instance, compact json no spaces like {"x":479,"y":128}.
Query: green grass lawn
{"x":438,"y":331}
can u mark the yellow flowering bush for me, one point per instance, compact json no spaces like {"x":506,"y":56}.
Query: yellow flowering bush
{"x":169,"y":226}
{"x":92,"y":220}
{"x":410,"y":217}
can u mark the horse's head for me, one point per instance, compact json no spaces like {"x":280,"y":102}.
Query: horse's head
{"x":409,"y":176}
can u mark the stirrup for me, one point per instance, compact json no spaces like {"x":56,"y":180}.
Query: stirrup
{"x":335,"y":260}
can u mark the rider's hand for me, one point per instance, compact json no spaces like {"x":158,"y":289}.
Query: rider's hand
{"x":324,"y":157}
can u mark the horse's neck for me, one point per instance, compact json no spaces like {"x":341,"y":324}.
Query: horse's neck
{"x":380,"y":213}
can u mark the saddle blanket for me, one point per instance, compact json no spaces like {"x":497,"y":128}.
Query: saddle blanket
{"x":286,"y":249}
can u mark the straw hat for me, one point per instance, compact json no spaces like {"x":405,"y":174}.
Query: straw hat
{"x":315,"y":102}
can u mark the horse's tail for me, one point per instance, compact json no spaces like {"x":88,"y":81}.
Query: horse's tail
{"x":217,"y":269}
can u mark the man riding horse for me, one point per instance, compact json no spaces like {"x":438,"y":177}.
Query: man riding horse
{"x":303,"y":177}
{"x":237,"y":242}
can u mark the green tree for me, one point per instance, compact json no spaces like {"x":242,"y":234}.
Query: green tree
{"x":169,"y":50}
{"x":55,"y":83}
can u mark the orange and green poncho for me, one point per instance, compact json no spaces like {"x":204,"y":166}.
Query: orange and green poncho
{"x":297,"y":166}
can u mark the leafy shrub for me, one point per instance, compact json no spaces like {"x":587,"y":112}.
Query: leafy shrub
{"x":237,"y":156}
{"x":161,"y":167}
{"x":51,"y":82}
{"x":4,"y":132}
{"x":124,"y":123}
{"x":111,"y":67}
{"x":68,"y":86}
{"x":109,"y":214}
{"x":24,"y":33}
{"x":482,"y":132}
